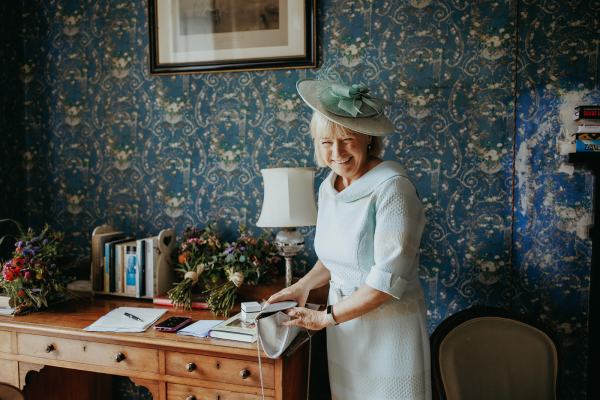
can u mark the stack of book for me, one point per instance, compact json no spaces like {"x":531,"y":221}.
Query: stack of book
{"x":124,"y":265}
{"x":587,"y":137}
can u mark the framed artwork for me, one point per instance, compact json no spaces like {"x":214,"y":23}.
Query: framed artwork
{"x":188,"y":36}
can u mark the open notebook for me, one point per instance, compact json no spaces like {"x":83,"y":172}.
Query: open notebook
{"x":126,"y":319}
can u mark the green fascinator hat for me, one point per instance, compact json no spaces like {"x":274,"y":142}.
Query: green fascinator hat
{"x":348,"y":105}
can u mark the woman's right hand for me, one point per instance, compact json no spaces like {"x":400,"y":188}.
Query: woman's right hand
{"x":297,"y":293}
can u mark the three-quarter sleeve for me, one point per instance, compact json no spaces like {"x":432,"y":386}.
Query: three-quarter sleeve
{"x":399,"y":223}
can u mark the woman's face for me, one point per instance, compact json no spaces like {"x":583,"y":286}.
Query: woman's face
{"x":347,"y":155}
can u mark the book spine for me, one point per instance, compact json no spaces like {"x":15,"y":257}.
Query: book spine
{"x":586,"y":112}
{"x":587,"y":146}
{"x":111,"y":268}
{"x":165,"y":301}
{"x":150,"y":292}
{"x":106,"y":286}
{"x":587,"y":135}
{"x":140,"y":278}
{"x":118,"y":268}
{"x":131,"y":266}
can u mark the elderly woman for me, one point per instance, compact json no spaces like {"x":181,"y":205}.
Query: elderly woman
{"x":369,"y":228}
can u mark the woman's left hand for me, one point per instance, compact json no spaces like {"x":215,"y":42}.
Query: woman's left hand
{"x":307,"y":318}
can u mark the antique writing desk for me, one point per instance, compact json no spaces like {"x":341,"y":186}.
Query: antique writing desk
{"x":168,"y":365}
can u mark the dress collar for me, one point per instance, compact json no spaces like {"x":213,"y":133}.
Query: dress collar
{"x":366,"y":184}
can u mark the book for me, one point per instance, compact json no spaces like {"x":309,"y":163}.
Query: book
{"x":97,"y":256}
{"x":150,"y":266}
{"x":235,"y":329}
{"x":587,"y":135}
{"x":587,"y":146}
{"x":587,"y":112}
{"x":130,"y":269}
{"x":198,"y":302}
{"x":109,"y":265}
{"x":140,"y":278}
{"x":199,"y":328}
{"x":588,"y":129}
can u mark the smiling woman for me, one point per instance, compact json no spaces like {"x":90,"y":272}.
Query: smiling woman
{"x":369,"y":226}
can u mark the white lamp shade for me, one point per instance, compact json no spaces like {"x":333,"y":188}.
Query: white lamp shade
{"x":289,"y":199}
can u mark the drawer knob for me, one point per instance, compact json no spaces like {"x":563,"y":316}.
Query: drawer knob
{"x":190,"y":367}
{"x":191,"y":397}
{"x":120,"y":357}
{"x":245,"y":373}
{"x":50,"y":348}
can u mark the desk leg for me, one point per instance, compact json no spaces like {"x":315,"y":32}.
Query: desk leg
{"x":9,"y":372}
{"x":24,"y":369}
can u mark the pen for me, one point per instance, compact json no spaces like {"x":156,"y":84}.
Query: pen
{"x":133,"y":317}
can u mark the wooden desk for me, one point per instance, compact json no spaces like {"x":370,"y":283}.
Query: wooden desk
{"x":170,"y":366}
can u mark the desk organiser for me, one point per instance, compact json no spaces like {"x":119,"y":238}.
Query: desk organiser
{"x":160,"y":271}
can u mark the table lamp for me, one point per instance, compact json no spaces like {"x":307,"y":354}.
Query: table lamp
{"x":289,"y":202}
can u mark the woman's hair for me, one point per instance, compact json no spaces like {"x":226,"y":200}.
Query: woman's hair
{"x":321,"y":127}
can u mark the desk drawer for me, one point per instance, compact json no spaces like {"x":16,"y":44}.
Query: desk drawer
{"x":228,"y":370}
{"x":184,"y":392}
{"x":81,"y":351}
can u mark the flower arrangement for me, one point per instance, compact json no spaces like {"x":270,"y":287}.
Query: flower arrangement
{"x":219,"y":269}
{"x":32,"y":277}
{"x":197,"y":263}
{"x":247,"y":260}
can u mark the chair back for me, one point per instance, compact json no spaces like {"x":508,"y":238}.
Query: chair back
{"x":485,"y":353}
{"x":9,"y":392}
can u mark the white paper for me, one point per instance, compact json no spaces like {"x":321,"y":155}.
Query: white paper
{"x":6,"y":311}
{"x":199,"y":328}
{"x":117,"y":321}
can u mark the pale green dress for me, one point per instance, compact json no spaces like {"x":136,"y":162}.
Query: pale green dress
{"x":370,"y":233}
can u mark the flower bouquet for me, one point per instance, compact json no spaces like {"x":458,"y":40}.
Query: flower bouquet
{"x":197,"y":263}
{"x":247,"y":260}
{"x":32,"y":277}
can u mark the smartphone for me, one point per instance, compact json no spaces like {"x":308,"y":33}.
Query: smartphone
{"x":172,"y":324}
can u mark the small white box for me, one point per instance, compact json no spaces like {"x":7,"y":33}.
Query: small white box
{"x":249,"y":317}
{"x":251,"y":307}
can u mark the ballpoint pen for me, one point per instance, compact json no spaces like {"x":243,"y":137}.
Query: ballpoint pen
{"x":133,"y":317}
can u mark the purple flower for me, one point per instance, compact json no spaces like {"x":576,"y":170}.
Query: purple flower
{"x":28,"y":252}
{"x":229,"y":250}
{"x":19,"y":244}
{"x":45,"y":241}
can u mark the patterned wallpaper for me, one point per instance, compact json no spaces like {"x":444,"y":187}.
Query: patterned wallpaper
{"x":481,"y":91}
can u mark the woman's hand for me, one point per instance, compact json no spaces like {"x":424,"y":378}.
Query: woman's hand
{"x":297,"y":293}
{"x":307,"y":318}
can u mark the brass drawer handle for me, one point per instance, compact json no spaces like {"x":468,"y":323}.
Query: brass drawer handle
{"x":50,"y":348}
{"x":120,"y":357}
{"x":191,"y":397}
{"x":245,"y":373}
{"x":190,"y":367}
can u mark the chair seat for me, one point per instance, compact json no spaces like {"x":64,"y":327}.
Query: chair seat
{"x":485,"y":353}
{"x":9,"y":392}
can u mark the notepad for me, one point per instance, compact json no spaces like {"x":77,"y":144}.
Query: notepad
{"x":199,"y":328}
{"x":117,"y":321}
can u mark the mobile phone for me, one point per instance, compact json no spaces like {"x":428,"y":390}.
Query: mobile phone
{"x":172,"y":324}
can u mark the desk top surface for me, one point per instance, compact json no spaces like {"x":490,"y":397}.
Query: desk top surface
{"x":68,"y":320}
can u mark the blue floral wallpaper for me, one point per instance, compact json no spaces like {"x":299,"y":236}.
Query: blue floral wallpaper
{"x":481,"y":92}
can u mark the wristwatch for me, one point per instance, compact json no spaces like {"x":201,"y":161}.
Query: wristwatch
{"x":329,"y":316}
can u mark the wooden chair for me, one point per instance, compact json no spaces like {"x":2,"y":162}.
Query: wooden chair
{"x":9,"y":392}
{"x":488,"y":353}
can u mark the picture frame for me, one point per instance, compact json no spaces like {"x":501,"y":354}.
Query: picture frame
{"x":199,"y":36}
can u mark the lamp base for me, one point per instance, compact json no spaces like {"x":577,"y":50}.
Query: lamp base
{"x":289,"y":242}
